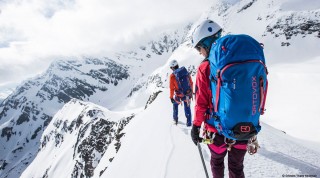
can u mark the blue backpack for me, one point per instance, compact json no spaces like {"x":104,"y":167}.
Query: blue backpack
{"x":185,"y":89}
{"x":238,"y":76}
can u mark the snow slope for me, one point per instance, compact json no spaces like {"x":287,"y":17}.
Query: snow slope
{"x":153,"y":147}
{"x":293,"y":101}
{"x":160,"y":149}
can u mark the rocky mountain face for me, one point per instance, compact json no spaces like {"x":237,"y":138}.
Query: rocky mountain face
{"x":85,"y":131}
{"x":27,"y":112}
{"x":274,"y":11}
{"x":295,"y":24}
{"x":276,"y":23}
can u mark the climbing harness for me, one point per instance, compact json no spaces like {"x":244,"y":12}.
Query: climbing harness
{"x":253,"y":145}
{"x":208,"y":137}
{"x":229,"y":143}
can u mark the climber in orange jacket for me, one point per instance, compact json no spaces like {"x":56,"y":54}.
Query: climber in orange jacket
{"x":181,"y":89}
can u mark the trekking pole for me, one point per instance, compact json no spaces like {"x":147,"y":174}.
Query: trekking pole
{"x":204,"y":165}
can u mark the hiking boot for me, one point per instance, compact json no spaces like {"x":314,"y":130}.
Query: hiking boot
{"x":175,"y":122}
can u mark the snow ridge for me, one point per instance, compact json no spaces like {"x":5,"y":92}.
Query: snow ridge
{"x":107,"y":81}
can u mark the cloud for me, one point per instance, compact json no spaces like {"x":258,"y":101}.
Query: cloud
{"x":33,"y":30}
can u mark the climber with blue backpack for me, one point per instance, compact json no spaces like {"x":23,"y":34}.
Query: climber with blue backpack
{"x":230,"y":94}
{"x":180,"y":91}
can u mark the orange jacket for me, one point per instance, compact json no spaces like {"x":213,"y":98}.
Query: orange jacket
{"x":174,"y":85}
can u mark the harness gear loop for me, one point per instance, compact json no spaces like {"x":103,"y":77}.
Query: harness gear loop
{"x":253,"y":145}
{"x":208,"y":137}
{"x":229,"y":143}
{"x":187,"y":100}
{"x":180,"y":98}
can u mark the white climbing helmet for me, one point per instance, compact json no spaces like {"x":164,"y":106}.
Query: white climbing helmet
{"x":173,"y":63}
{"x":205,"y":29}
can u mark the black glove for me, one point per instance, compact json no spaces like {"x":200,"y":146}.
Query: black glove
{"x":195,"y":131}
{"x":172,"y":100}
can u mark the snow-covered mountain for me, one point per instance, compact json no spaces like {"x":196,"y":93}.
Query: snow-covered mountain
{"x":79,"y":135}
{"x":81,"y":141}
{"x":5,"y":93}
{"x":111,"y":117}
{"x":288,"y":29}
{"x":110,"y":82}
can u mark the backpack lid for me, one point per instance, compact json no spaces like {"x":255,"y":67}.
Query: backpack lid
{"x":180,"y":72}
{"x":235,"y":48}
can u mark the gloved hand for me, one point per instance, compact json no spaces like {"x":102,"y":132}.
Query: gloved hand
{"x":253,"y":145}
{"x":172,"y":100}
{"x":195,"y":131}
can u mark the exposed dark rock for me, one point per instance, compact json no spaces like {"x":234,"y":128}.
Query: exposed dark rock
{"x":119,"y":133}
{"x":155,"y":79}
{"x":192,"y":70}
{"x":7,"y":132}
{"x":101,"y":172}
{"x":57,"y":123}
{"x":246,"y":6}
{"x":24,"y":117}
{"x":76,"y":173}
{"x":152,"y":98}
{"x":142,"y":47}
{"x":294,"y":25}
{"x":17,"y":149}
{"x":135,"y":89}
{"x":45,"y":175}
{"x":3,"y":112}
{"x":47,"y":119}
{"x":285,"y":44}
{"x":3,"y":164}
{"x":36,"y":132}
{"x":100,"y":137}
{"x":58,"y":138}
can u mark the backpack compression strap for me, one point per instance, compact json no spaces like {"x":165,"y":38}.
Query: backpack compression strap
{"x":263,"y":95}
{"x":217,"y":92}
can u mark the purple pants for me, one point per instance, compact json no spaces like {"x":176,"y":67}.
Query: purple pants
{"x":235,"y":158}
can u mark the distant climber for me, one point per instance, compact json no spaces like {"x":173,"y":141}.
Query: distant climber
{"x":181,"y":91}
